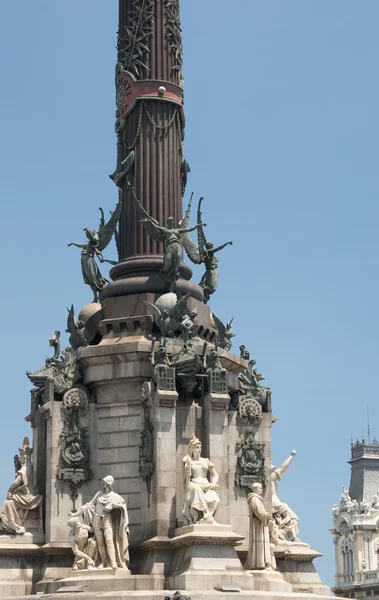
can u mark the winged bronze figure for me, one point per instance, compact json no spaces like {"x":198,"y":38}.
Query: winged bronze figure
{"x":169,"y":321}
{"x":171,"y":238}
{"x":204,"y":252}
{"x":76,"y":329}
{"x":97,"y":242}
{"x":225,"y":333}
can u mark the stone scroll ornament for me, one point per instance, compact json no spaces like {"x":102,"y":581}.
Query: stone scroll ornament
{"x":254,"y":396}
{"x":251,"y":463}
{"x":146,"y":449}
{"x":53,"y":379}
{"x":74,"y":452}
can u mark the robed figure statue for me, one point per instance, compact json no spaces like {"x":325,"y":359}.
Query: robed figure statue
{"x":22,"y":495}
{"x":106,"y":513}
{"x":200,"y":500}
{"x":260,"y":555}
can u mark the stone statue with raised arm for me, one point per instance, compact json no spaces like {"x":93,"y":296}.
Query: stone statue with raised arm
{"x":204,"y":252}
{"x":171,"y":238}
{"x":200,"y":499}
{"x":97,"y":242}
{"x":285,"y":519}
{"x":108,"y":516}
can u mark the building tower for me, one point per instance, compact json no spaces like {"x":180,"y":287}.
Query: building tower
{"x":356,"y":525}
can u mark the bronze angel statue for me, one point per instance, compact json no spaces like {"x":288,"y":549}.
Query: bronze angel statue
{"x":97,"y":242}
{"x":172,"y":238}
{"x":205,"y":253}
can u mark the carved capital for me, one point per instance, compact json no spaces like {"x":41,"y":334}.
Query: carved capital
{"x":216,"y":401}
{"x":166,"y":398}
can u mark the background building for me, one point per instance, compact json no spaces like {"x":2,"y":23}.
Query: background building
{"x":356,"y":524}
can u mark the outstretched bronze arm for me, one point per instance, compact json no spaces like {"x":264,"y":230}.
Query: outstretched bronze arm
{"x":77,"y":245}
{"x":222,"y":247}
{"x":192,"y":228}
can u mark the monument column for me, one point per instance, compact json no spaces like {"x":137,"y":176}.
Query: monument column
{"x":149,"y":123}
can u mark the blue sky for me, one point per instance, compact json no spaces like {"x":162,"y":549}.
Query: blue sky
{"x":282,"y":137}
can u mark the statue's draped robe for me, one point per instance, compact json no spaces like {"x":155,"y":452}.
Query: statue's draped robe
{"x":90,"y":270}
{"x":115,"y":505}
{"x":209,"y":280}
{"x":259,"y":555}
{"x":198,"y":495}
{"x":24,"y":498}
{"x":173,"y":255}
{"x":285,"y":518}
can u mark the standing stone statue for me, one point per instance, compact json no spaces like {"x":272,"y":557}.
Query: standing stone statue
{"x":171,"y":238}
{"x":200,"y":500}
{"x":83,"y":546}
{"x":285,"y":519}
{"x":260,"y":555}
{"x":22,"y":496}
{"x":108,"y":516}
{"x":204,"y":252}
{"x":97,"y":242}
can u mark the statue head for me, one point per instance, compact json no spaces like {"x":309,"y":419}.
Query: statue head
{"x":213,"y":359}
{"x":209,"y":245}
{"x":74,"y":523}
{"x":54,"y":338}
{"x":92,"y":236}
{"x":170,"y":223}
{"x":161,"y":352}
{"x":194,"y":446}
{"x":25,"y":451}
{"x":257,"y":488}
{"x":107,"y":483}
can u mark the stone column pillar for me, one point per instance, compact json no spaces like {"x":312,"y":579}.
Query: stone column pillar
{"x":216,"y":447}
{"x":159,"y":516}
{"x":57,"y":505}
{"x":149,"y":117}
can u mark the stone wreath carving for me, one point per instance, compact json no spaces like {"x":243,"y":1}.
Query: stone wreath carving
{"x":146,"y":450}
{"x":249,"y":410}
{"x":74,"y":452}
{"x":250,"y":461}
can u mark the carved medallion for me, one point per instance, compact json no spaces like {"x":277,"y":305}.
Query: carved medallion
{"x":74,"y":453}
{"x":249,"y":410}
{"x":250,"y":461}
{"x":124,"y":92}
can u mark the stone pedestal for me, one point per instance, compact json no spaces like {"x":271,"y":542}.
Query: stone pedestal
{"x":266,"y":580}
{"x":295,"y":562}
{"x":104,"y":580}
{"x":205,"y":559}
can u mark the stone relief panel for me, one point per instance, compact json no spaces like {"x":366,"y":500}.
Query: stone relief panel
{"x":74,"y":451}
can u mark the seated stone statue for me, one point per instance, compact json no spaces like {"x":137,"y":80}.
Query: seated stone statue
{"x":285,"y":519}
{"x":83,"y":546}
{"x":22,"y":496}
{"x":200,"y":500}
{"x":108,"y":516}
